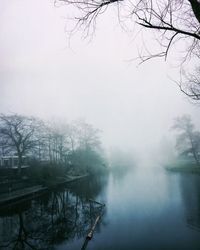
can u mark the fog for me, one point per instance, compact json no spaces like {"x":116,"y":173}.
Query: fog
{"x":141,"y":186}
{"x":46,"y":74}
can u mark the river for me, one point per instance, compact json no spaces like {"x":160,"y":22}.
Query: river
{"x":146,"y":208}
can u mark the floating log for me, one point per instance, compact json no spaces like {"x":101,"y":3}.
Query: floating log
{"x":85,"y":244}
{"x":90,"y":234}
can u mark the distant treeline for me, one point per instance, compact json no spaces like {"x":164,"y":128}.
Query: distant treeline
{"x":74,"y":145}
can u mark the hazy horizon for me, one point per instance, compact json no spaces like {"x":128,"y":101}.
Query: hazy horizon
{"x":41,"y":75}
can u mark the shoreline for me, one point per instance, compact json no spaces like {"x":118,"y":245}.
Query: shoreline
{"x":184,"y":169}
{"x":35,"y":191}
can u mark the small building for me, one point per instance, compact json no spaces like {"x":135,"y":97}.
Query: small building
{"x":11,"y":161}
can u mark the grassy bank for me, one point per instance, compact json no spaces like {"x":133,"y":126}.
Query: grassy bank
{"x":183,"y":167}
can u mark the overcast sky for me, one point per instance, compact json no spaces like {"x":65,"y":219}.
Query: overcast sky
{"x":40,"y":74}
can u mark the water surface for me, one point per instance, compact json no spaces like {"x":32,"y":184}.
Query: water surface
{"x":147,"y":208}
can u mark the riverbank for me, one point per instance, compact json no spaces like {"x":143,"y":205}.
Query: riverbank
{"x":64,"y":180}
{"x":17,"y":196}
{"x":190,"y":169}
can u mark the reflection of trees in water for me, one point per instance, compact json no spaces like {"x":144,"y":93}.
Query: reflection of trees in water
{"x":190,"y":191}
{"x":62,"y":215}
{"x":15,"y":234}
{"x":89,"y":188}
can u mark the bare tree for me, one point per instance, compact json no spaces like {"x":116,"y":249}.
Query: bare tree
{"x":190,"y":84}
{"x":57,"y":142}
{"x":72,"y":136}
{"x":188,"y":140}
{"x":88,"y":136}
{"x":176,"y":22}
{"x":17,"y":133}
{"x":174,"y":19}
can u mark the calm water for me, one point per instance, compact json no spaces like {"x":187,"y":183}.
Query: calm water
{"x":147,"y":208}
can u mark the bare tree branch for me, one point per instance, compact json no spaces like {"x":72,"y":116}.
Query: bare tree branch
{"x":177,"y":22}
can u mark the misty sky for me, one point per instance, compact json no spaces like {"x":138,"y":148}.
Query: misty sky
{"x":40,"y":74}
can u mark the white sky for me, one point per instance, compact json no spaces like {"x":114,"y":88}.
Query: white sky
{"x":41,"y":75}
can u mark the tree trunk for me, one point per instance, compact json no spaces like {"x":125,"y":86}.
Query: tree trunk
{"x":19,"y":164}
{"x":195,"y":157}
{"x":195,"y":4}
{"x":194,"y":150}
